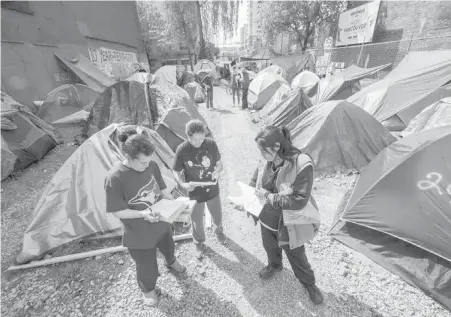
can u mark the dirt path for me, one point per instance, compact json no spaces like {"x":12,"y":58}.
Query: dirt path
{"x":226,"y":282}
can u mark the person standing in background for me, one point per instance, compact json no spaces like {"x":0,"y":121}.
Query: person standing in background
{"x":236,"y":86}
{"x":207,"y":83}
{"x":245,"y":88}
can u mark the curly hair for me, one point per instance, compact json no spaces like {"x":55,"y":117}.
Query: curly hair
{"x":135,"y":143}
{"x":195,"y":126}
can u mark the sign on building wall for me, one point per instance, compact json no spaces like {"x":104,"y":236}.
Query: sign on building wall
{"x":116,"y":64}
{"x":357,"y":25}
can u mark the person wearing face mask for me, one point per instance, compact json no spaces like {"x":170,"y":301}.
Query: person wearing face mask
{"x":198,"y":160}
{"x":132,"y":187}
{"x":283,"y":182}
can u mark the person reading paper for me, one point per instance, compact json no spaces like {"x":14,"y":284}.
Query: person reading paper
{"x":283,"y":182}
{"x":132,"y":188}
{"x":199,"y":160}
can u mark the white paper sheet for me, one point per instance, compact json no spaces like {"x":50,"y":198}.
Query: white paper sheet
{"x":244,"y":195}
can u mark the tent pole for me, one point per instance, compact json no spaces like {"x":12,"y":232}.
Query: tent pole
{"x":82,"y":255}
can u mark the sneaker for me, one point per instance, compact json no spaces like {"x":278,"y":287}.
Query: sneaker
{"x":200,"y":250}
{"x":268,"y":271}
{"x":315,"y":294}
{"x":151,"y":298}
{"x":219,"y":232}
{"x":179,"y":267}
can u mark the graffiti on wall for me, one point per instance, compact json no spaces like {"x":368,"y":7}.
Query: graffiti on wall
{"x":65,"y":77}
{"x":116,"y":64}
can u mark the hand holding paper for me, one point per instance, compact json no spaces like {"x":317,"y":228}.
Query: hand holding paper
{"x":244,"y":195}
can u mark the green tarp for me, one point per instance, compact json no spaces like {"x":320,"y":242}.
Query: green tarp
{"x":338,"y":134}
{"x":399,"y":211}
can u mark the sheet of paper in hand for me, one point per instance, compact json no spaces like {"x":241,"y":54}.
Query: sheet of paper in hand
{"x":170,"y":210}
{"x":244,"y":195}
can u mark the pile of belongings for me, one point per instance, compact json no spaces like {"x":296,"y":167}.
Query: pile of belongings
{"x":25,"y":137}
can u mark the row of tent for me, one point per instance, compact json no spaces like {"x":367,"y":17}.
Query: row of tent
{"x":77,"y":109}
{"x":420,"y":80}
{"x":398,"y":213}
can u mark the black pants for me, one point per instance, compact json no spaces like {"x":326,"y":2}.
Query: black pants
{"x":244,"y":99}
{"x":297,"y":257}
{"x":146,"y":262}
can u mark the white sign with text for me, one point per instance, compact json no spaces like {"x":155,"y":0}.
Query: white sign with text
{"x":357,"y":25}
{"x":116,"y":64}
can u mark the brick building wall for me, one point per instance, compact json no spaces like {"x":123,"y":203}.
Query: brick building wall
{"x":401,"y":26}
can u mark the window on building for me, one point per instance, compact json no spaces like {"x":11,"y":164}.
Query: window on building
{"x":21,"y":6}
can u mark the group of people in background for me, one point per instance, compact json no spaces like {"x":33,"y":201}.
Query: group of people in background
{"x":283,"y":181}
{"x":240,"y":86}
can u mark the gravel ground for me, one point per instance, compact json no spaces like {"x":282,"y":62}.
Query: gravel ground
{"x":226,"y":282}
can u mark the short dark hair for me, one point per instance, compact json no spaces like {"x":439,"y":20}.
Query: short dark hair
{"x":134,"y":144}
{"x":195,"y":126}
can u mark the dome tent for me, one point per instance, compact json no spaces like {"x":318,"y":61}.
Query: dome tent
{"x":275,"y":100}
{"x":145,"y":104}
{"x":60,"y":216}
{"x":66,"y":100}
{"x":397,"y":219}
{"x":338,"y":133}
{"x":262,"y":88}
{"x":305,"y":80}
{"x":295,"y":103}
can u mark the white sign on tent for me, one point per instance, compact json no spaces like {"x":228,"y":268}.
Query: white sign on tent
{"x":357,"y":25}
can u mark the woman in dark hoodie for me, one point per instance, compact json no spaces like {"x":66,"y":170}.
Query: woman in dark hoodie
{"x":283,"y":182}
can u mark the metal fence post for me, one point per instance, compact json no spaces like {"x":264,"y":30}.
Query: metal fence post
{"x":360,"y":54}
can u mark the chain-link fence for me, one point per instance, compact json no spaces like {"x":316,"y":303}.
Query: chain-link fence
{"x":375,"y":54}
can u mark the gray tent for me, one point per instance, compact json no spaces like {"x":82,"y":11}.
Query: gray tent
{"x":399,"y":212}
{"x":413,"y":85}
{"x":339,"y":134}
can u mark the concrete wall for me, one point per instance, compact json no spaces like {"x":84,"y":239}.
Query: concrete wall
{"x":29,"y":68}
